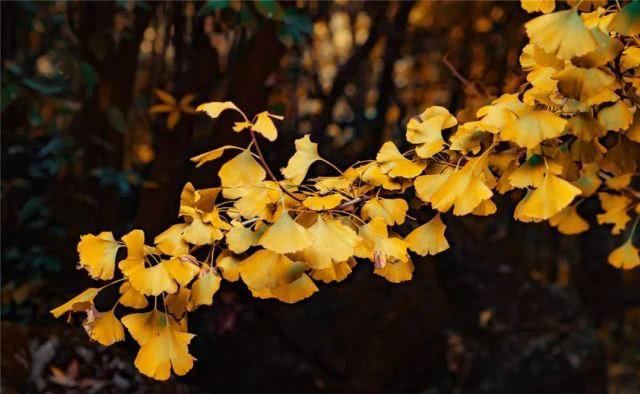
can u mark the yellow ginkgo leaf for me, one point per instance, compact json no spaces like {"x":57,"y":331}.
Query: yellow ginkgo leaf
{"x":373,"y":175}
{"x":544,"y":6}
{"x":552,"y":196}
{"x":82,"y":301}
{"x":427,"y":132}
{"x":214,"y":109}
{"x":153,"y":280}
{"x":428,"y":238}
{"x":337,"y":272}
{"x":486,"y":208}
{"x":615,"y":211}
{"x":259,"y":201}
{"x":264,"y":125}
{"x":182,"y":269}
{"x":194,"y":202}
{"x":329,"y":184}
{"x":619,"y":182}
{"x":607,"y":50}
{"x":562,"y":33}
{"x":625,"y":256}
{"x":201,"y":233}
{"x":533,"y":127}
{"x":285,"y":236}
{"x":584,"y":126}
{"x":626,"y":21}
{"x":377,"y":245}
{"x":144,"y":326}
{"x":211,"y":155}
{"x":332,"y":241}
{"x":589,"y":85}
{"x":267,"y":269}
{"x":229,"y":265}
{"x":98,"y":254}
{"x":630,"y":58}
{"x":463,"y":189}
{"x":239,"y":172}
{"x":131,"y":297}
{"x":502,"y":111}
{"x":529,"y":174}
{"x":392,"y":210}
{"x":134,"y":241}
{"x":106,"y":329}
{"x":177,"y":303}
{"x":321,"y":203}
{"x":165,"y":352}
{"x":616,"y":117}
{"x":203,"y":289}
{"x":240,"y":238}
{"x":170,"y":241}
{"x":394,"y":164}
{"x":569,"y":222}
{"x":298,"y":290}
{"x":298,"y":165}
{"x":396,"y":272}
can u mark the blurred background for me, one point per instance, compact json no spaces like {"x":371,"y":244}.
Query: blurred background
{"x":510,"y":308}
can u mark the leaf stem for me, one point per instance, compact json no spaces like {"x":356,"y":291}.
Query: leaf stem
{"x":266,"y":166}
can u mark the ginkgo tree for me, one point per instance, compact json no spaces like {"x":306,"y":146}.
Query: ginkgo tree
{"x":572,"y":132}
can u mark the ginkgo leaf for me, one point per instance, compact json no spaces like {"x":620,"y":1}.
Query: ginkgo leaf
{"x":397,"y":272}
{"x":211,"y":155}
{"x":533,"y":127}
{"x":165,"y":352}
{"x":134,"y":241}
{"x":463,"y":189}
{"x":203,"y":289}
{"x":427,"y":132}
{"x":298,"y":290}
{"x":285,"y":236}
{"x":298,"y":165}
{"x":376,"y":243}
{"x":589,"y":85}
{"x":214,"y":109}
{"x":264,"y":125}
{"x":626,"y":21}
{"x":486,"y":208}
{"x":194,"y":202}
{"x":153,"y":280}
{"x":502,"y":111}
{"x":337,"y":272}
{"x":562,"y":33}
{"x":170,"y":241}
{"x":616,"y":117}
{"x":98,"y":254}
{"x":607,"y":50}
{"x":229,"y":265}
{"x":568,"y":221}
{"x":630,"y":58}
{"x":392,"y":210}
{"x":428,"y":238}
{"x":584,"y":126}
{"x":619,"y":182}
{"x":321,"y":203}
{"x":240,"y":238}
{"x":82,"y":301}
{"x":182,"y":269}
{"x":131,"y":297}
{"x":201,"y":233}
{"x":106,"y":329}
{"x":332,"y":241}
{"x":373,"y":175}
{"x":267,"y":269}
{"x":394,"y":164}
{"x":144,"y":326}
{"x":615,"y":211}
{"x":625,"y":256}
{"x":177,"y":303}
{"x":553,"y":195}
{"x":544,"y":6}
{"x":243,"y":170}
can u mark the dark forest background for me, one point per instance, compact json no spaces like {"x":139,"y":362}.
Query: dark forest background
{"x":510,"y":308}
